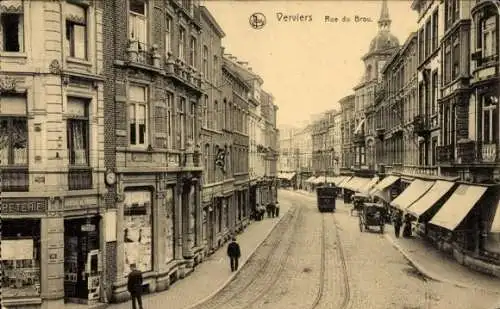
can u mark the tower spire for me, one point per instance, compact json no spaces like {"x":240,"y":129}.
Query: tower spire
{"x":384,"y":22}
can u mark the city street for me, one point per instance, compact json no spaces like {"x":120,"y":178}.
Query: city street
{"x":314,"y":260}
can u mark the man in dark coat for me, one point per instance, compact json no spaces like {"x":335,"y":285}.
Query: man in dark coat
{"x":397,"y":223}
{"x":134,"y":286}
{"x":234,"y":253}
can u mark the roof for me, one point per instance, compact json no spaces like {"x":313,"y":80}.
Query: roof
{"x":211,"y":20}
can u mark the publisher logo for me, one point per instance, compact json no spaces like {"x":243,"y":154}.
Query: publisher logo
{"x":257,"y":20}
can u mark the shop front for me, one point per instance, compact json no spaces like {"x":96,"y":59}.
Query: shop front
{"x":159,"y":228}
{"x":25,"y":257}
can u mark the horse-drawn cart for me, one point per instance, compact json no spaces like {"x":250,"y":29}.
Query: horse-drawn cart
{"x":372,"y":214}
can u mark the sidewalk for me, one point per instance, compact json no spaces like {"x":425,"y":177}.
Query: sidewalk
{"x":438,"y":266}
{"x":213,"y":274}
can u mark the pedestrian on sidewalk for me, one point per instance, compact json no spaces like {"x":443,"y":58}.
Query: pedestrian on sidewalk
{"x":397,"y":221}
{"x":134,"y":286}
{"x":277,"y":210}
{"x":234,"y":253}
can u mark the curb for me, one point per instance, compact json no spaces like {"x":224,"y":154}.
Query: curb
{"x":426,"y":273}
{"x":242,"y":264}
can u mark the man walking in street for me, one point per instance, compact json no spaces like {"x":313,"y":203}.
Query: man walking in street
{"x":397,"y":223}
{"x":234,"y":253}
{"x":134,"y":286}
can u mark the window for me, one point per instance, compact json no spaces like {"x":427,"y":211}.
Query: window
{"x":214,"y":70}
{"x":138,"y":22}
{"x":205,"y":111}
{"x":12,"y":32}
{"x":170,"y":120}
{"x":192,"y":125}
{"x":21,"y":255}
{"x":137,"y":117}
{"x":428,"y":38}
{"x":421,"y":46}
{"x":78,"y":132}
{"x":216,"y":116}
{"x":13,"y":131}
{"x":168,"y":35}
{"x":170,"y":225}
{"x":447,"y":62}
{"x":76,"y":31}
{"x":137,"y":230}
{"x":435,"y":92}
{"x":435,"y":26}
{"x":456,"y":57}
{"x":490,"y":119}
{"x":181,"y":122}
{"x":452,"y":12}
{"x":182,"y":43}
{"x":489,"y":36}
{"x":206,"y":164}
{"x":205,"y":61}
{"x":192,"y":51}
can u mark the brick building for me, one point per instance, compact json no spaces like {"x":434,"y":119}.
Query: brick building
{"x":347,"y":131}
{"x":51,"y":151}
{"x":235,"y":105}
{"x":212,"y":135}
{"x":152,"y":94}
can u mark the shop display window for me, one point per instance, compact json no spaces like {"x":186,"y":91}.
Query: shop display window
{"x":20,"y":258}
{"x":169,"y":226}
{"x":138,"y":231}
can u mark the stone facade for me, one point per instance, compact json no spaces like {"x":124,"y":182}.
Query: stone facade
{"x":52,"y":155}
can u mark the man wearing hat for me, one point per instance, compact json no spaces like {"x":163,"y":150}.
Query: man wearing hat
{"x":233,"y":251}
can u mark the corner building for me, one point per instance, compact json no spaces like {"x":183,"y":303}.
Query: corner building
{"x":153,"y":171}
{"x":51,"y":154}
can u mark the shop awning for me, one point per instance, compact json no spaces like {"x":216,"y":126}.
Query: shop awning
{"x":319,"y":179}
{"x":356,"y":183}
{"x":429,"y":199}
{"x":414,"y":191}
{"x":366,"y":188}
{"x":287,"y":176}
{"x":310,"y":179}
{"x":344,"y":181}
{"x":350,"y":183}
{"x":495,"y":226}
{"x":386,"y":182}
{"x":456,"y":208}
{"x":338,"y":180}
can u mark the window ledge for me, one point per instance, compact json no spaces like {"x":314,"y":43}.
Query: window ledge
{"x":78,"y":61}
{"x":13,"y":54}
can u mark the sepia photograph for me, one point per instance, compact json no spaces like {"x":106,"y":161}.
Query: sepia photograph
{"x":249,"y":154}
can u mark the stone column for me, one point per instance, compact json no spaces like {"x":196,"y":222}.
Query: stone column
{"x":188,"y":196}
{"x":178,"y":215}
{"x":199,"y":214}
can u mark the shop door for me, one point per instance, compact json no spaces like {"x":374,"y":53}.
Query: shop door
{"x":80,"y":238}
{"x":210,"y":228}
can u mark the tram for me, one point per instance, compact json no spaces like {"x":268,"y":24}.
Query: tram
{"x":326,"y":197}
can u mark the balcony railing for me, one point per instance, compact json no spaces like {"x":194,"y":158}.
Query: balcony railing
{"x":143,"y":54}
{"x":15,"y":179}
{"x":79,"y":179}
{"x":444,"y":153}
{"x":488,"y":152}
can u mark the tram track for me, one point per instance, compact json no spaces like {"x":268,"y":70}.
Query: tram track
{"x":229,"y":293}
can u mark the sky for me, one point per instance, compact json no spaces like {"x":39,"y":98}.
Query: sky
{"x":307,"y":65}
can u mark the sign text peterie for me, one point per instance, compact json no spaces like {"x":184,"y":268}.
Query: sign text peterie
{"x":18,"y":207}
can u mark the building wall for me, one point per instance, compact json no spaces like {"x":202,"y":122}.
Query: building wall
{"x":347,"y":129}
{"x":160,"y":170}
{"x":46,"y":86}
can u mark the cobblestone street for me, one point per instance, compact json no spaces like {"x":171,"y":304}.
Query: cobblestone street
{"x":286,"y":271}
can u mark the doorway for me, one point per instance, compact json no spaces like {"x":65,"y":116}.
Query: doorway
{"x":81,"y":238}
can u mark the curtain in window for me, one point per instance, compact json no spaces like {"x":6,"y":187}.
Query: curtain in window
{"x":137,"y":28}
{"x":4,"y":142}
{"x":20,"y":141}
{"x":78,"y":136}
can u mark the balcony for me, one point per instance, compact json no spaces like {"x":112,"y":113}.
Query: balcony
{"x":15,"y":179}
{"x":444,"y":154}
{"x":466,"y":151}
{"x":421,"y":125}
{"x":143,"y":54}
{"x":488,"y":153}
{"x":80,"y":178}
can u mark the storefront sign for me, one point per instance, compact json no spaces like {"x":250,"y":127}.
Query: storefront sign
{"x":20,"y":207}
